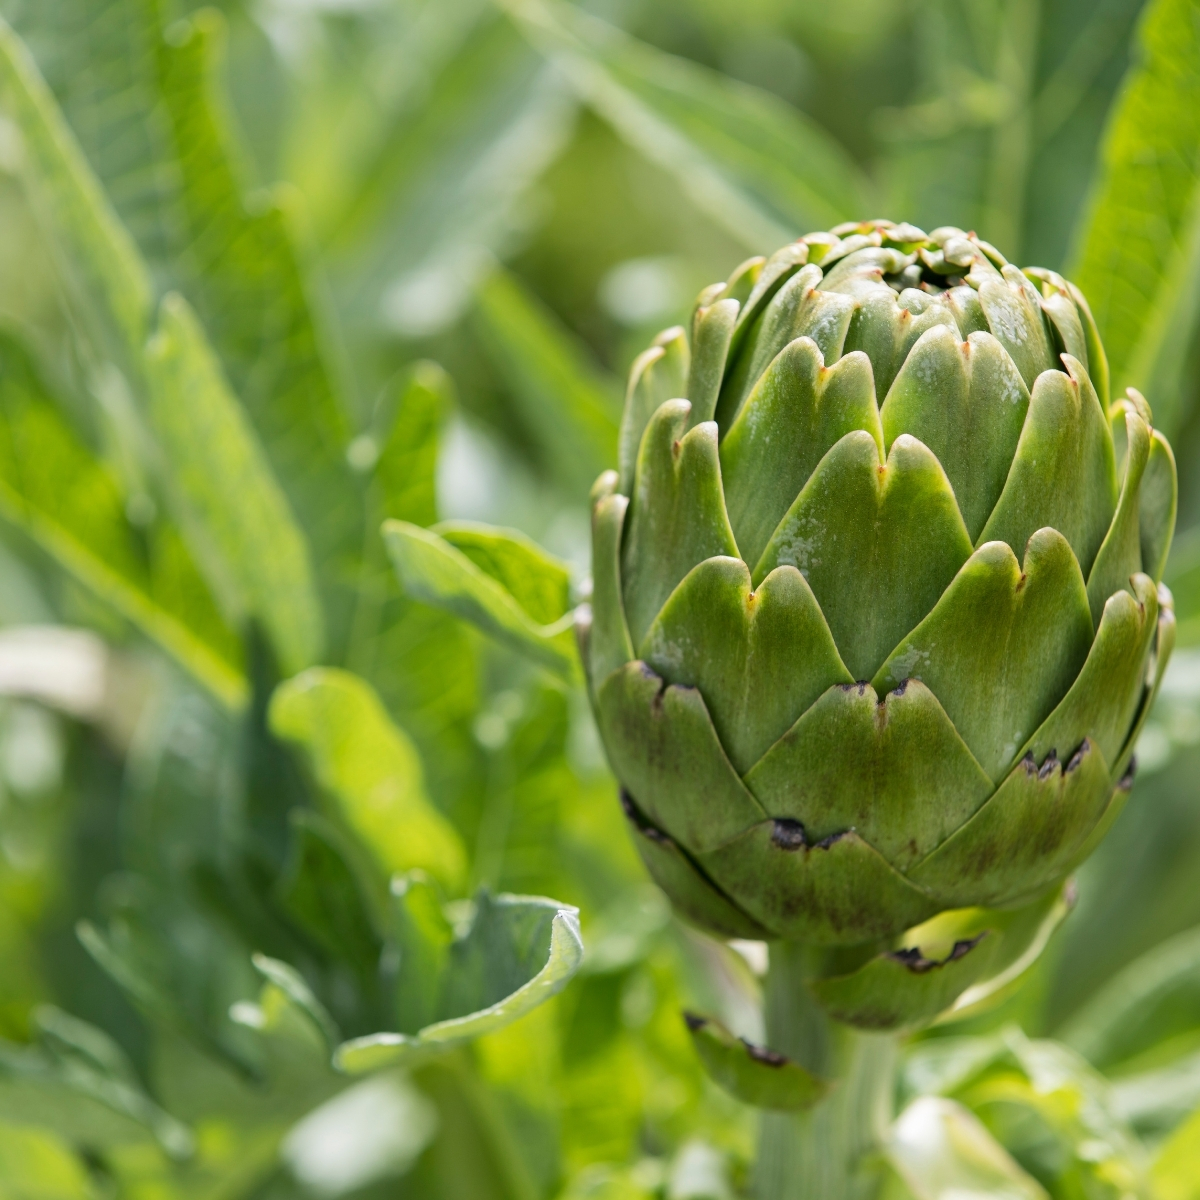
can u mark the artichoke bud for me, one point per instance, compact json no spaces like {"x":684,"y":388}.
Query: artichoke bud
{"x":876,"y":610}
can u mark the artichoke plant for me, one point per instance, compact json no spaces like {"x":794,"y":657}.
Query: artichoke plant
{"x":876,"y":610}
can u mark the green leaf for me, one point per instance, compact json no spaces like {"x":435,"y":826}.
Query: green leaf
{"x":431,"y":570}
{"x":518,"y":952}
{"x":609,"y":644}
{"x":759,"y":659}
{"x":955,"y":959}
{"x":1105,"y":697}
{"x":78,"y":1083}
{"x":405,"y":471}
{"x":712,"y":332}
{"x":93,"y":249}
{"x":657,"y":375}
{"x":1176,"y":1171}
{"x":1148,"y":1002}
{"x":1120,"y":554}
{"x":754,"y":1074}
{"x":36,"y":1165}
{"x":878,"y":543}
{"x":227,"y":493}
{"x":424,"y":936}
{"x":758,"y":167}
{"x":692,"y":895}
{"x":943,"y":1151}
{"x":297,"y":1031}
{"x":321,"y":891}
{"x":1138,"y":261}
{"x":240,"y":267}
{"x":835,"y":892}
{"x":1025,"y":837}
{"x":369,"y":770}
{"x":537,"y":581}
{"x":171,"y":173}
{"x":52,"y":487}
{"x":568,"y":408}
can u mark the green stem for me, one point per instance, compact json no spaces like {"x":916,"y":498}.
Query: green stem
{"x":828,"y":1152}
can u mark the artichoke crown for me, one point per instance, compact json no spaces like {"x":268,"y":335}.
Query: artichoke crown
{"x":876,"y":611}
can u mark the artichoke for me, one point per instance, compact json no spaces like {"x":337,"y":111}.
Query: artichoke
{"x":876,"y":610}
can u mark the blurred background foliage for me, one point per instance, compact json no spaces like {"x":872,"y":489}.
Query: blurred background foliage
{"x":418,"y":244}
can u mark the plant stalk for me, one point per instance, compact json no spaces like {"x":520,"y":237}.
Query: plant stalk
{"x":829,"y":1152}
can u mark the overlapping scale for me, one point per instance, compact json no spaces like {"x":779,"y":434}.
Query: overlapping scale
{"x":891,"y":766}
{"x":676,"y":516}
{"x":1063,"y":473}
{"x":798,"y":309}
{"x":877,"y":541}
{"x":664,"y":749}
{"x":1120,"y":554}
{"x":759,"y":658}
{"x":967,"y":402}
{"x":1001,"y":646}
{"x":798,"y":409}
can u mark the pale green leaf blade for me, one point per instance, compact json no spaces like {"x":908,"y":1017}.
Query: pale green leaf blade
{"x":760,"y":168}
{"x":942,"y":1151}
{"x":568,"y":407}
{"x":93,"y":248}
{"x":520,"y":951}
{"x":370,"y":771}
{"x":240,"y":262}
{"x":229,"y":497}
{"x":433,"y":571}
{"x":69,"y":503}
{"x":1138,"y":261}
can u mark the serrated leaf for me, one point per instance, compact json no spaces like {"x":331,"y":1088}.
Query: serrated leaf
{"x":239,"y":264}
{"x":406,"y":470}
{"x":519,"y":951}
{"x":77,"y":1083}
{"x":53,"y":488}
{"x":370,"y":771}
{"x":433,"y":571}
{"x":228,"y":495}
{"x":759,"y":168}
{"x":1139,"y":259}
{"x":94,"y":250}
{"x":536,"y":580}
{"x":568,"y":408}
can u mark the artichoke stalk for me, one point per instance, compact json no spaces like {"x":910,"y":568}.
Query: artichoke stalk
{"x":876,"y":611}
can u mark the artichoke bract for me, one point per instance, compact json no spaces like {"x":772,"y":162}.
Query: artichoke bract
{"x":876,"y":610}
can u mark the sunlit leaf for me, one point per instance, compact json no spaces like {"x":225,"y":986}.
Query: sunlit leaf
{"x":370,"y":771}
{"x":518,"y":952}
{"x":93,"y":248}
{"x":568,"y":408}
{"x":942,"y":1151}
{"x":754,"y":1074}
{"x":433,"y":571}
{"x":227,"y":491}
{"x":762,"y":170}
{"x":1139,"y":258}
{"x":78,"y":1083}
{"x":52,"y":487}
